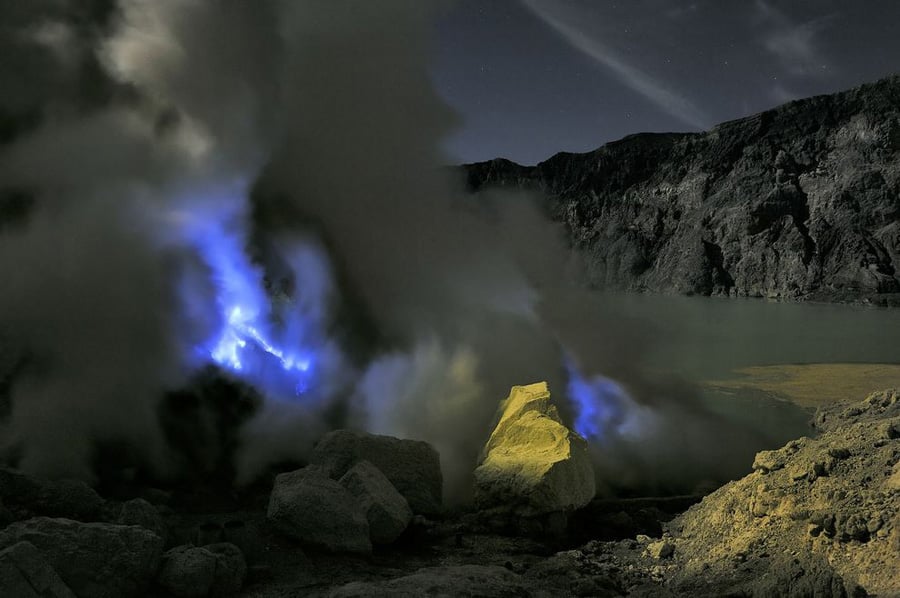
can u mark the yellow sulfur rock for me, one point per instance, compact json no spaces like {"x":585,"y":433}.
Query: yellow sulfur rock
{"x":532,"y":463}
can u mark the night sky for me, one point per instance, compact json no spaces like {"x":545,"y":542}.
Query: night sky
{"x":530,"y":78}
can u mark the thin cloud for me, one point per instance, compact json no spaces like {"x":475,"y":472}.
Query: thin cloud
{"x":793,"y":44}
{"x":668,"y":100}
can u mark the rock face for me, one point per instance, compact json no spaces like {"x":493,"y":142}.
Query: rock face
{"x":532,"y":463}
{"x":818,"y":517}
{"x":25,"y":574}
{"x":463,"y":580}
{"x":311,"y":507}
{"x":802,"y":201}
{"x":95,"y":560}
{"x":386,"y":510}
{"x":412,"y":466}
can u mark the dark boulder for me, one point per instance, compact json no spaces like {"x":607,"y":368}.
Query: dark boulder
{"x":386,"y":510}
{"x":461,"y":580}
{"x":72,"y":499}
{"x":96,"y":560}
{"x":196,"y":572}
{"x":24,"y":573}
{"x":412,"y":466}
{"x":140,"y":512}
{"x":310,"y":507}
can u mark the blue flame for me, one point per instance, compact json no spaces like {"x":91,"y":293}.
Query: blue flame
{"x":600,"y":404}
{"x":241,"y":345}
{"x":241,"y":330}
{"x":245,"y":338}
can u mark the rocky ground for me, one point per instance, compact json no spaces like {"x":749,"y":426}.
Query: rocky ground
{"x":817,"y":517}
{"x":799,"y":202}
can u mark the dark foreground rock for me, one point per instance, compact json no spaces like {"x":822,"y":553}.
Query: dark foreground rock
{"x":6,"y":516}
{"x":412,"y":466}
{"x":72,"y":499}
{"x":187,"y":571}
{"x":800,"y":202}
{"x":309,"y":506}
{"x":386,"y":510}
{"x":24,"y":573}
{"x":464,"y":580}
{"x":141,"y":513}
{"x":95,"y":560}
{"x":196,"y":572}
{"x":818,"y":517}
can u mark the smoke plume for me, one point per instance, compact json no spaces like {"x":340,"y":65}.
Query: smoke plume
{"x":262,"y":189}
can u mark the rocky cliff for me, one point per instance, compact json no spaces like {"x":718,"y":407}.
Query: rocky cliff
{"x":799,"y":202}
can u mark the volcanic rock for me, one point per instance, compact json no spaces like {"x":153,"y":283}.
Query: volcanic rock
{"x":72,"y":499}
{"x":584,"y":572}
{"x":311,"y":507}
{"x":532,"y":464}
{"x":893,"y":482}
{"x":214,"y":570}
{"x":208,"y":532}
{"x":96,"y":560}
{"x":231,"y":569}
{"x":412,"y":466}
{"x":246,"y":536}
{"x":662,"y":549}
{"x":187,"y":571}
{"x":6,"y":516}
{"x":766,"y":461}
{"x":25,"y":574}
{"x":818,"y":519}
{"x":140,"y":512}
{"x":387,"y":511}
{"x":461,"y":580}
{"x":796,"y":202}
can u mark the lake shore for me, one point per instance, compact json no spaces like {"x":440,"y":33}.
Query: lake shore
{"x":811,"y":385}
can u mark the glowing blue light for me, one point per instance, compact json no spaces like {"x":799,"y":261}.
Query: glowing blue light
{"x":599,"y":404}
{"x":246,"y":341}
{"x":582,"y":394}
{"x":242,"y":341}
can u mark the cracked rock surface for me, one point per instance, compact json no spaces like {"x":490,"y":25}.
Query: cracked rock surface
{"x":799,"y":202}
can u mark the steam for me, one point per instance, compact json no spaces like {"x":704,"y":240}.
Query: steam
{"x":95,"y":374}
{"x":266,"y":177}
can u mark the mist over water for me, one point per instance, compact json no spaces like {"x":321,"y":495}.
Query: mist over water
{"x":266,"y":195}
{"x":707,"y":338}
